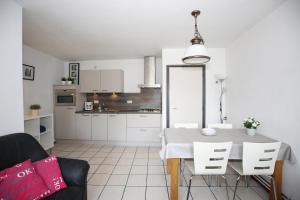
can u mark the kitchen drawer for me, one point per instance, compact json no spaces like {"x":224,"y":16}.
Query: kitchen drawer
{"x":143,"y":120}
{"x":143,"y":134}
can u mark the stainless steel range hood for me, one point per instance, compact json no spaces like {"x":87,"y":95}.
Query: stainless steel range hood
{"x":149,"y":73}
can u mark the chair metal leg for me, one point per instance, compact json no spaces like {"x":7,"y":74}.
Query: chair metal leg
{"x":217,"y":180}
{"x":209,"y":180}
{"x":247,"y":178}
{"x":182,"y":167}
{"x":236,"y":184}
{"x":180,"y":172}
{"x":189,"y":188}
{"x":274,"y":187}
{"x":226,"y":182}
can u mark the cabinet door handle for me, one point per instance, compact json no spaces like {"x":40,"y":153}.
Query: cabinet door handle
{"x":86,"y":115}
{"x":95,"y":90}
{"x":143,"y":130}
{"x":94,"y":115}
{"x":104,"y":90}
{"x":143,"y":116}
{"x":112,"y":115}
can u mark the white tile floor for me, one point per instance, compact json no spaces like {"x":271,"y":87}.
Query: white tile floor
{"x":137,"y":173}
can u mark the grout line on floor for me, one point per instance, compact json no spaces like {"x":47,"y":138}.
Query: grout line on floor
{"x":128,"y":173}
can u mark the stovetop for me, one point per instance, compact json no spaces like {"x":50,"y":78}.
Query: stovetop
{"x":150,"y":110}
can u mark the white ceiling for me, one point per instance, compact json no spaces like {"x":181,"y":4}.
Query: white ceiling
{"x":99,"y":29}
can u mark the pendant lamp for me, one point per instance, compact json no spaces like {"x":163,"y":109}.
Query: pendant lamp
{"x":197,"y":52}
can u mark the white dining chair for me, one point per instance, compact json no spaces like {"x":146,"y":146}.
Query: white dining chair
{"x":220,"y":126}
{"x":209,"y":159}
{"x":186,"y":125}
{"x":258,"y":159}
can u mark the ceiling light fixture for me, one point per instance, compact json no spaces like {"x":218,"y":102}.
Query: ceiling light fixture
{"x":196,"y":53}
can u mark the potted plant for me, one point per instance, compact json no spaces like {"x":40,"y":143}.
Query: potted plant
{"x":35,"y":109}
{"x":63,"y":81}
{"x":251,"y":125}
{"x":70,"y":80}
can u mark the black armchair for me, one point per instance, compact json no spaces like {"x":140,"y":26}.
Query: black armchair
{"x":18,"y":147}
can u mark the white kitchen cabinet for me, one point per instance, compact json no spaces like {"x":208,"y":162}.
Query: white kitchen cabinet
{"x":143,"y":135}
{"x":116,"y":127}
{"x":83,"y":126}
{"x":89,"y":81}
{"x":64,"y":122}
{"x":143,"y":120}
{"x":112,"y":81}
{"x":99,"y":127}
{"x":143,"y":127}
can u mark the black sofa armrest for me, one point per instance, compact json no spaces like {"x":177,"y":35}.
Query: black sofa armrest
{"x":74,"y":171}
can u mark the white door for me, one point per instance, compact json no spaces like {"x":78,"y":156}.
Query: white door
{"x":185,"y":95}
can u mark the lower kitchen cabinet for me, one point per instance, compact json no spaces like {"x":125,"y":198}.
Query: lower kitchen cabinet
{"x":143,"y":134}
{"x":64,"y":121}
{"x":143,"y":120}
{"x":112,"y":127}
{"x":99,"y":127}
{"x":83,"y":126}
{"x":116,"y":127}
{"x":143,"y":128}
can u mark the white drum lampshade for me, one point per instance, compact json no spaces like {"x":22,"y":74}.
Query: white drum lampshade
{"x":195,"y":54}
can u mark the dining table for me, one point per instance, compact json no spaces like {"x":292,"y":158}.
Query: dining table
{"x":177,"y":143}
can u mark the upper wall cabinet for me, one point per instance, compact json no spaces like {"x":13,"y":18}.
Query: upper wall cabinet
{"x":89,"y":81}
{"x":112,"y":81}
{"x":101,"y":81}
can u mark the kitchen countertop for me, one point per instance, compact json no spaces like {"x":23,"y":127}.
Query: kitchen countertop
{"x":115,"y":112}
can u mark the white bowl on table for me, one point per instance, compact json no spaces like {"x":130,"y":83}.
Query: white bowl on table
{"x":208,"y":131}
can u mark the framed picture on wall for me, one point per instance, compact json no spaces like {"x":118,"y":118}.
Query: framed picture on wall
{"x":74,"y":72}
{"x":28,"y":72}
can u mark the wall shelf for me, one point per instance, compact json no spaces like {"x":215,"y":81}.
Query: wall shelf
{"x":32,"y":126}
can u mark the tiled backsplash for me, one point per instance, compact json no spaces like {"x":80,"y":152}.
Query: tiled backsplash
{"x":148,"y":98}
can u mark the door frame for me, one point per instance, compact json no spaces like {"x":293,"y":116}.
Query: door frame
{"x":203,"y":89}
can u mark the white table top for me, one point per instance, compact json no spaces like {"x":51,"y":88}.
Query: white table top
{"x":237,"y":136}
{"x":179,"y":142}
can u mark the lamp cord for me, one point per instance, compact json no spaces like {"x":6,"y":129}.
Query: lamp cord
{"x":221,"y":104}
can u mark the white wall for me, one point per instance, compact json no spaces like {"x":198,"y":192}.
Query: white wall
{"x":11,"y":103}
{"x":133,"y":70}
{"x":215,"y":66}
{"x":263,"y":81}
{"x":48,"y":71}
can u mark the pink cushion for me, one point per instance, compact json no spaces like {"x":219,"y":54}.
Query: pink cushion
{"x":22,"y":182}
{"x":49,"y":170}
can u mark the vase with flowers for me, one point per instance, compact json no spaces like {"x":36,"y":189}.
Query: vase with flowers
{"x":251,"y":125}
